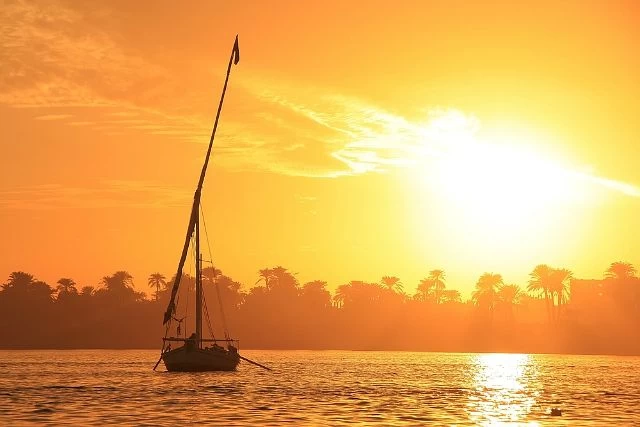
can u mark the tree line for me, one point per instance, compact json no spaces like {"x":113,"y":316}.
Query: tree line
{"x":552,"y":312}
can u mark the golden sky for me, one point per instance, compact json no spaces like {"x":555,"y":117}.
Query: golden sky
{"x":357,"y":139}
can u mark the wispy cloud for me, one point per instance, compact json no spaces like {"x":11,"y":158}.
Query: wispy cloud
{"x":53,"y":117}
{"x":369,"y":139}
{"x":622,"y":187}
{"x":56,"y":60}
{"x":106,"y":194}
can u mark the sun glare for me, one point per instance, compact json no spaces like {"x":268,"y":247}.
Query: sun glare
{"x":497,"y":190}
{"x":509,"y":386}
{"x":501,"y":188}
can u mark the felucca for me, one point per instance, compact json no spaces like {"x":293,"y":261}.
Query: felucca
{"x":195,"y":353}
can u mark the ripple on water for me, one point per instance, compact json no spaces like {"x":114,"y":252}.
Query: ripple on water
{"x":319,"y":388}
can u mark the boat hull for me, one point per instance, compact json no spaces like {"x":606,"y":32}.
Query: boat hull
{"x":184,"y":359}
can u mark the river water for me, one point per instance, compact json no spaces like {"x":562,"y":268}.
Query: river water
{"x":99,"y":387}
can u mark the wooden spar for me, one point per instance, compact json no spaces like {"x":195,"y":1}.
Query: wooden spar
{"x":158,"y":362}
{"x":255,"y":363}
{"x":198,"y":287}
{"x":176,"y":283}
{"x":196,"y":197}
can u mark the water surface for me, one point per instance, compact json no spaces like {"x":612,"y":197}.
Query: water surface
{"x":99,"y":387}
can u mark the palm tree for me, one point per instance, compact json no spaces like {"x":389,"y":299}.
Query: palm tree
{"x":282,"y":280}
{"x":540,"y":283}
{"x":316,"y":294}
{"x":118,"y":281}
{"x":509,"y":295}
{"x":265,"y":274}
{"x":620,"y":270}
{"x":120,"y":287}
{"x":87,"y":291}
{"x":392,"y":283}
{"x":157,"y":280}
{"x":451,"y":295}
{"x":437,"y":278}
{"x":621,"y":276}
{"x":211,"y":273}
{"x":18,"y":279}
{"x":314,"y":286}
{"x":66,"y":286}
{"x":23,"y":285}
{"x":424,"y":289}
{"x":559,"y":287}
{"x":486,"y":290}
{"x":342,"y":294}
{"x":431,"y":287}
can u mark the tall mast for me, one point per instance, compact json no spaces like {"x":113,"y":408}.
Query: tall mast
{"x":198,"y":285}
{"x":193,"y":219}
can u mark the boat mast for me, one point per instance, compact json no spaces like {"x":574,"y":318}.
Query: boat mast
{"x":193,"y":219}
{"x":198,"y":286}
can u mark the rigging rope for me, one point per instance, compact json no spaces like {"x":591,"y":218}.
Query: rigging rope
{"x":187,"y":290}
{"x":223,"y":317}
{"x":206,"y":312}
{"x":177,"y":304}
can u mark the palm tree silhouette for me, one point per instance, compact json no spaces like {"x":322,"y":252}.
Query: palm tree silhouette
{"x":211,"y":273}
{"x":424,"y":289}
{"x":621,"y":278}
{"x":341,"y":296}
{"x":437,"y":278}
{"x":432,"y":287}
{"x":509,"y":295}
{"x":18,"y":280}
{"x":266,"y":274}
{"x":119,"y":286}
{"x":620,"y":270}
{"x":451,"y":295}
{"x":392,"y":283}
{"x":540,"y":283}
{"x":25,"y":285}
{"x":66,"y":286}
{"x":118,"y":281}
{"x":485,"y":294}
{"x":157,"y":280}
{"x":559,"y":288}
{"x":282,"y":280}
{"x":316,"y":293}
{"x":87,"y":291}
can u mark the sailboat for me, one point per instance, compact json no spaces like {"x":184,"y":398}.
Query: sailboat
{"x":195,"y":353}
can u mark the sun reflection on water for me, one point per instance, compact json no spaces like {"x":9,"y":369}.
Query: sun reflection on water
{"x":505,"y":389}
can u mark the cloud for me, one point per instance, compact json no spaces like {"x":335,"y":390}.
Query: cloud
{"x":622,"y":187}
{"x":124,"y":114}
{"x":56,"y":58}
{"x":81,"y":123}
{"x":360,"y":137}
{"x":368,"y":139}
{"x":57,"y":61}
{"x":106,"y":194}
{"x":53,"y":117}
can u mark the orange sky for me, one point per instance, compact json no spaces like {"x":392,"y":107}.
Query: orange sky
{"x":355,"y":142}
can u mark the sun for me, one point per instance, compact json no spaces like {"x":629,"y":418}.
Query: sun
{"x":500,"y":189}
{"x":498,"y":193}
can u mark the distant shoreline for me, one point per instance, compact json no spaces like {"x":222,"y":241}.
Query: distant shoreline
{"x":555,"y":315}
{"x":327,"y":350}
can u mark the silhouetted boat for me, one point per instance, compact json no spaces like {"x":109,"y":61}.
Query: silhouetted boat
{"x":196,"y":354}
